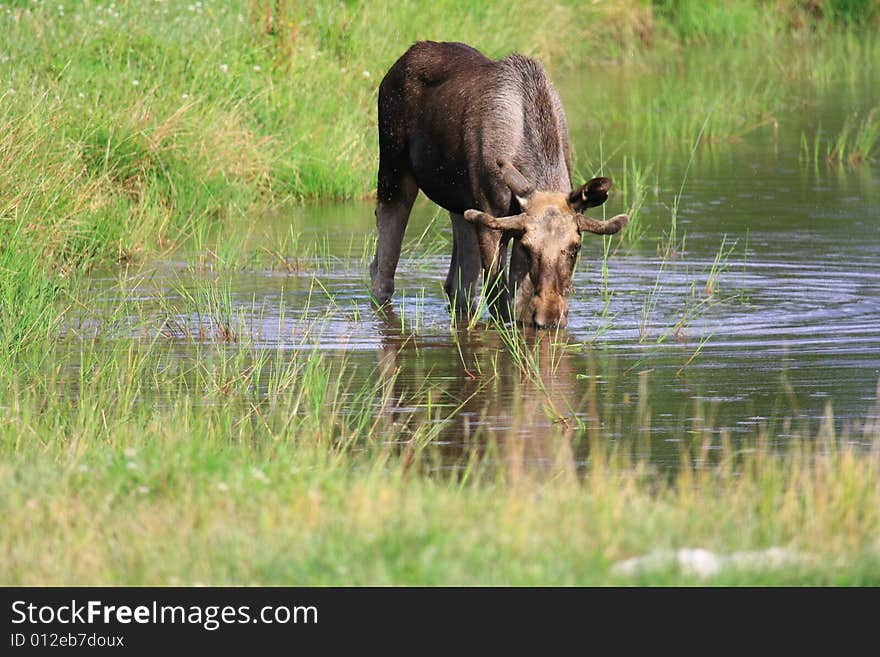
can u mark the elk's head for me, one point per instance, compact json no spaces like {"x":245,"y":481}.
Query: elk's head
{"x":549,"y":230}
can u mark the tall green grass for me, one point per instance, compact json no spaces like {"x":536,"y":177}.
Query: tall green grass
{"x":752,"y":20}
{"x":32,"y":305}
{"x":736,"y":20}
{"x":857,"y":142}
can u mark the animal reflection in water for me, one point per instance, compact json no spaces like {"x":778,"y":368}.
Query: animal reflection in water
{"x":520,"y":418}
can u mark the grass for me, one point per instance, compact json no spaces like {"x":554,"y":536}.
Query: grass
{"x":744,"y":20}
{"x":126,"y":129}
{"x":29,"y":309}
{"x":857,"y":141}
{"x":214,"y":481}
{"x":635,"y":184}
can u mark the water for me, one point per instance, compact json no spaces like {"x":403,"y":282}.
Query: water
{"x":767,"y":309}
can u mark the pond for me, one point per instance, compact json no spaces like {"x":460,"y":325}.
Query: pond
{"x":746,"y":296}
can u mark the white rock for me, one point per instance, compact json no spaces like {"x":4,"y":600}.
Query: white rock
{"x":705,"y":563}
{"x":699,"y":562}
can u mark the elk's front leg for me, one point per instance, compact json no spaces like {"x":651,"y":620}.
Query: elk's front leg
{"x":396,"y":195}
{"x":464,"y":268}
{"x":493,"y":252}
{"x":519,"y":283}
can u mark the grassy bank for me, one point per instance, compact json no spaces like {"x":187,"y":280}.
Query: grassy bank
{"x":124,"y":128}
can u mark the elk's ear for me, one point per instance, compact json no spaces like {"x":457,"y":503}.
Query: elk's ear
{"x":602,"y":227}
{"x":515,"y":224}
{"x":590,"y":194}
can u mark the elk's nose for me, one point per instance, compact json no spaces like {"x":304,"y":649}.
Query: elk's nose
{"x":549,"y":312}
{"x":542,"y":321}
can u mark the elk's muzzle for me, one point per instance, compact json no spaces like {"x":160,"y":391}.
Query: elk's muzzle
{"x":549,"y":311}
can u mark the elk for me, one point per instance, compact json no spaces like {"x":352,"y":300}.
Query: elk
{"x":487,"y":141}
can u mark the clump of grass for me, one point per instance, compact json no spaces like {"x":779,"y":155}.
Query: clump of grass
{"x":652,"y":298}
{"x":856,"y":142}
{"x":851,"y":12}
{"x":810,"y":152}
{"x":211,"y":308}
{"x":745,"y":20}
{"x":635,"y":185}
{"x":719,"y":265}
{"x":731,"y":21}
{"x":31,"y":306}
